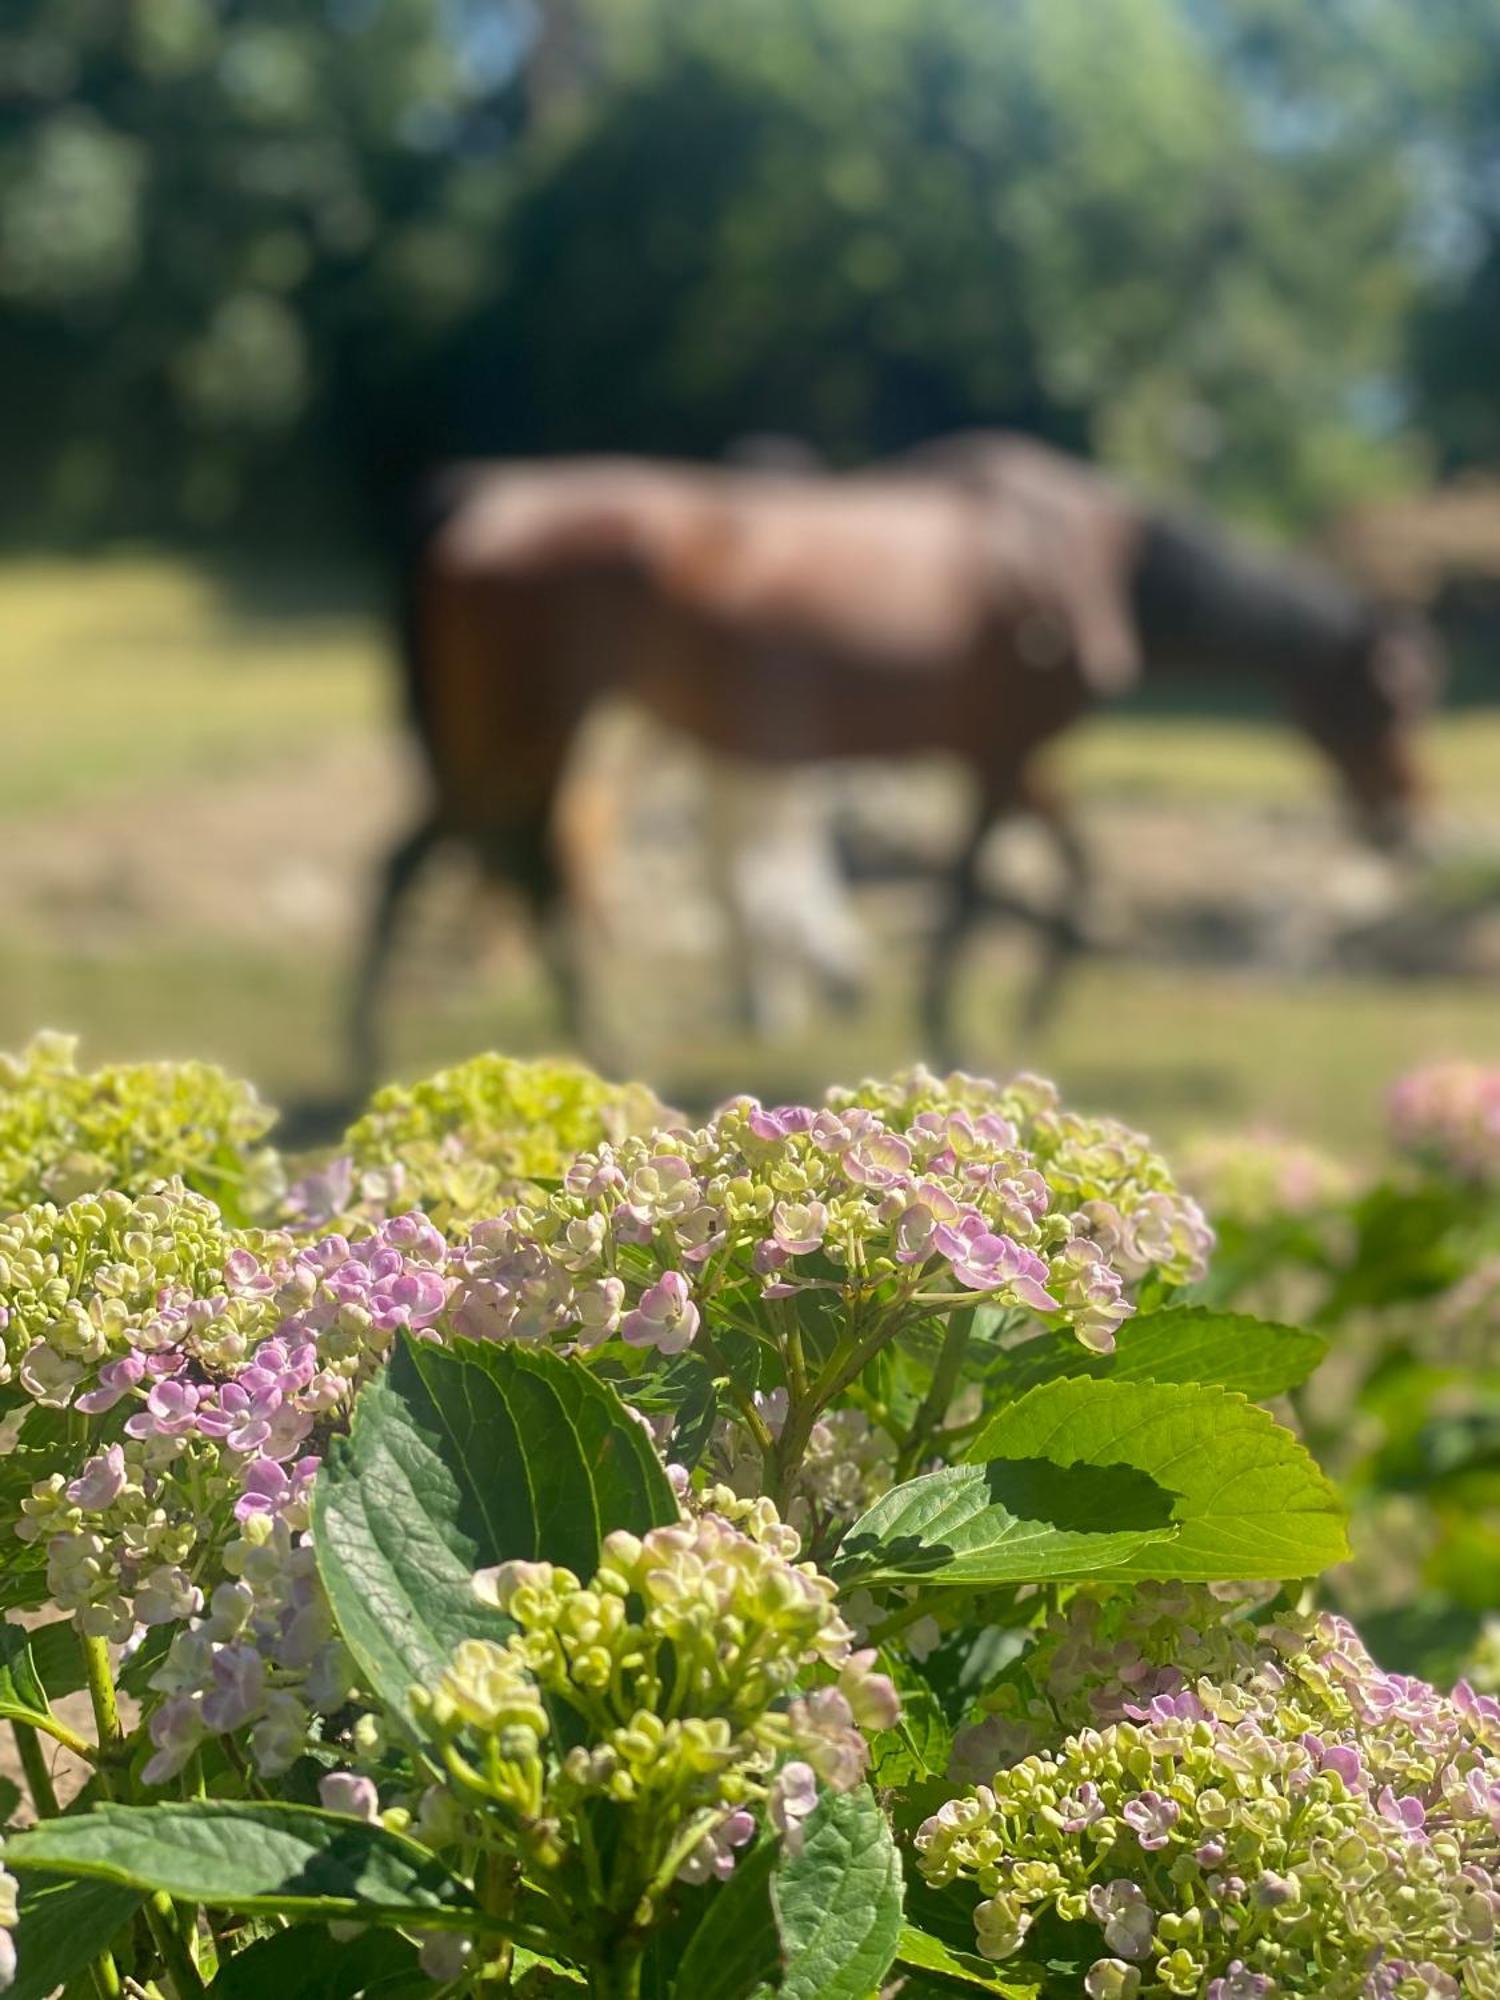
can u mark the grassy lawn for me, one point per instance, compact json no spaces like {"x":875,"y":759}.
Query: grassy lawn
{"x":138,"y":677}
{"x":133,"y":671}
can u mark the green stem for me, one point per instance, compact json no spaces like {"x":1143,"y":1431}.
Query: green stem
{"x":101,"y":1685}
{"x":172,"y":1947}
{"x":940,"y":1392}
{"x":38,"y":1777}
{"x":106,"y":1975}
{"x":618,"y":1975}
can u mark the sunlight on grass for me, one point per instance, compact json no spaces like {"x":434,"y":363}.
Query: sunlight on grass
{"x":140,"y":671}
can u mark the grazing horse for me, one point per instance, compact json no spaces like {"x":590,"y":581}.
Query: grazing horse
{"x":978,"y":605}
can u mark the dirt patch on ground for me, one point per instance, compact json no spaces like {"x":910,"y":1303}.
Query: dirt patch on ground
{"x":283,"y":859}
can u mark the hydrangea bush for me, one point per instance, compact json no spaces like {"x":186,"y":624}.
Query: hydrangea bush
{"x":823,"y":1550}
{"x":1400,"y":1268}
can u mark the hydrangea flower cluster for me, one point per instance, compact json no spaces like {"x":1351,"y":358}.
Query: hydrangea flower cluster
{"x":463,"y":1141}
{"x":66,"y":1131}
{"x":896,"y":1219}
{"x":264,"y":1659}
{"x":209,"y":1370}
{"x":706,"y":1676}
{"x":1123,"y":1192}
{"x":1292,"y":1821}
{"x":1261,"y":1176}
{"x":1447,"y":1115}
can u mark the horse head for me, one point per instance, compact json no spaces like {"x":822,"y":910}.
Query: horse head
{"x":1365,"y":715}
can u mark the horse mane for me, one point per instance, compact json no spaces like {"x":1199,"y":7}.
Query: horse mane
{"x":1207,"y":599}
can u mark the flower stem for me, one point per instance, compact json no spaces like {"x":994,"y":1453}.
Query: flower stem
{"x":618,"y":1974}
{"x":34,"y":1765}
{"x":172,"y":1947}
{"x":101,"y":1685}
{"x":106,"y":1976}
{"x":939,"y":1395}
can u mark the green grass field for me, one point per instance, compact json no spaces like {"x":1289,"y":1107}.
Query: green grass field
{"x":136,"y":682}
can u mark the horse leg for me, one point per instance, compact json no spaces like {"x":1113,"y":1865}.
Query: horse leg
{"x":966,"y":902}
{"x":524,"y":856}
{"x":1062,"y":940}
{"x":397,"y":874}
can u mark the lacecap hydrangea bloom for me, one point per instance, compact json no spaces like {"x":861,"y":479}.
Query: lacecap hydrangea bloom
{"x":890,"y":1215}
{"x":200,"y":1370}
{"x":1447,"y":1115}
{"x":461,"y":1142}
{"x":1268,"y":1814}
{"x":66,"y":1131}
{"x":699,"y":1685}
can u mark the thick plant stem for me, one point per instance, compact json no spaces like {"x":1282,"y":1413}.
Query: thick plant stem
{"x":34,"y":1765}
{"x":101,"y":1686}
{"x":619,"y":1977}
{"x":172,"y":1946}
{"x":106,"y":1975}
{"x":940,"y":1391}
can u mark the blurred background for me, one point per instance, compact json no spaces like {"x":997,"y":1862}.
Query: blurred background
{"x":263,"y":262}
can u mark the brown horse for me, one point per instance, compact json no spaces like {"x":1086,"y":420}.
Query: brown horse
{"x":977,"y":604}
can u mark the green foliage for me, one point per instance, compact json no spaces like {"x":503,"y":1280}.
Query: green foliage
{"x":23,"y":1698}
{"x":838,"y":1902}
{"x":290,"y":1860}
{"x":459,"y":1458}
{"x":1249,"y":1500}
{"x":306,"y":1963}
{"x":1007,"y":1522}
{"x":64,"y":1922}
{"x":243,"y":258}
{"x":1182,"y":1344}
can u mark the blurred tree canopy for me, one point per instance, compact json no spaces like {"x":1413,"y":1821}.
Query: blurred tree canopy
{"x":260,"y":259}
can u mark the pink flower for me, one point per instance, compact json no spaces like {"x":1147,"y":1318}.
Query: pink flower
{"x":101,"y":1482}
{"x":794,"y":1793}
{"x":115,"y":1379}
{"x":347,"y":1792}
{"x":666,"y":1317}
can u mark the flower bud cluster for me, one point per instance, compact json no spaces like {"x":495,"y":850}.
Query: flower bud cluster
{"x":907,"y":1218}
{"x":1447,"y":1115}
{"x":264,"y":1658}
{"x":1124,"y":1194}
{"x":1297,"y":1822}
{"x":66,"y":1132}
{"x":207,"y":1361}
{"x":459,"y":1144}
{"x":697,"y":1660}
{"x":1260,"y":1176}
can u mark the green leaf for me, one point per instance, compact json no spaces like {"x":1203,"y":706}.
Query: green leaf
{"x":734,"y":1950}
{"x":838,"y":1902}
{"x":920,"y":1952}
{"x":921,"y":1742}
{"x":459,"y":1458}
{"x":1248,"y":1500}
{"x":1258,"y":1357}
{"x":293,"y":1859}
{"x":305,"y":1963}
{"x":63,"y":1925}
{"x":22,"y":1696}
{"x":57,"y":1657}
{"x":1014,"y":1520}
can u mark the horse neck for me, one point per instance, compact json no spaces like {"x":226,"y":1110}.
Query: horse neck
{"x":1209,"y":606}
